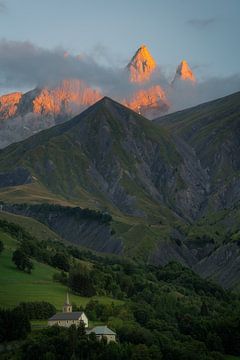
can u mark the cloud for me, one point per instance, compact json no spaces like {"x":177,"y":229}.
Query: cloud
{"x":201,"y":23}
{"x":183,"y":94}
{"x":24,"y":64}
{"x":3,"y":7}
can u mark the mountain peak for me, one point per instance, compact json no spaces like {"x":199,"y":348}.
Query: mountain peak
{"x":184,"y":72}
{"x":141,"y":65}
{"x":105,"y":102}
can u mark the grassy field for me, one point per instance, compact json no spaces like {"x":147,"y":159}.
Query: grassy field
{"x":32,"y":226}
{"x":31,"y":193}
{"x":17,"y":286}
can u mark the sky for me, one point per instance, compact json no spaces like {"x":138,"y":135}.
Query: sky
{"x":204,"y":32}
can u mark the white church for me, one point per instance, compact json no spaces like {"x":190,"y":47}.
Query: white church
{"x":68,"y":317}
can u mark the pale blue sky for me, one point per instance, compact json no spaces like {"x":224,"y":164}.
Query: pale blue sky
{"x":204,"y":32}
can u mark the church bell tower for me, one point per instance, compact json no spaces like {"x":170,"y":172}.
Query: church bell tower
{"x":67,"y":307}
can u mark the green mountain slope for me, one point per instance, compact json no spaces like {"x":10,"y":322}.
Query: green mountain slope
{"x":211,"y":134}
{"x":35,"y":228}
{"x":107,"y":158}
{"x":17,"y":286}
{"x":163,"y":182}
{"x":108,"y":155}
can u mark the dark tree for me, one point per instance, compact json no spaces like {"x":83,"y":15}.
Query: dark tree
{"x":60,"y":261}
{"x":141,"y":352}
{"x":37,"y":309}
{"x":21,"y":260}
{"x":204,"y":309}
{"x":1,"y":246}
{"x":80,"y":281}
{"x":14,"y":324}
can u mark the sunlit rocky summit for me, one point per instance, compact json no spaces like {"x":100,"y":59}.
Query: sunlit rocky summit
{"x":184,"y":73}
{"x":141,"y":66}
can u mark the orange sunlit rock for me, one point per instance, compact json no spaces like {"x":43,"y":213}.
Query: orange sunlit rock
{"x":9,"y":104}
{"x":149,"y":102}
{"x":184,"y":72}
{"x":141,"y":66}
{"x":70,"y":97}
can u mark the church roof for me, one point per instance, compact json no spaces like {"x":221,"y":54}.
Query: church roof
{"x":101,"y":330}
{"x":75,"y":315}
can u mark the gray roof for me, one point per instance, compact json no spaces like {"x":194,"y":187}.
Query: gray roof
{"x":75,"y":315}
{"x":101,"y":330}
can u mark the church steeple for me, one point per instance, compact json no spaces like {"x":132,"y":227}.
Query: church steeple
{"x":67,"y":307}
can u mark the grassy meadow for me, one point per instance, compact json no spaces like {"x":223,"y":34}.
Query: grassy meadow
{"x":17,"y":286}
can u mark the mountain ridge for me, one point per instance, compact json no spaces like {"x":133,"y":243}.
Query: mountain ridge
{"x":151,"y":179}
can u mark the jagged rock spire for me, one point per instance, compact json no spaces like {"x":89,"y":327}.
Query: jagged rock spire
{"x":141,"y":65}
{"x":184,"y":72}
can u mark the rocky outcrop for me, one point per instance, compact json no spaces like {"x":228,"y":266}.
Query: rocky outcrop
{"x":172,"y":250}
{"x":9,"y":105}
{"x":191,"y":200}
{"x":222,"y":265}
{"x":184,"y":73}
{"x":141,"y":66}
{"x":71,"y":97}
{"x":149,"y":102}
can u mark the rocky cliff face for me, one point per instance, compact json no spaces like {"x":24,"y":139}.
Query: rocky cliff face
{"x":141,"y":66}
{"x":72,"y":96}
{"x":149,"y":102}
{"x":222,"y":265}
{"x":9,"y":105}
{"x":22,"y":115}
{"x":211,"y":132}
{"x":184,"y":73}
{"x":68,"y":98}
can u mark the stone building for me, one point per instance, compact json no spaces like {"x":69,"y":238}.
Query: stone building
{"x":68,"y":317}
{"x":103,"y":332}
